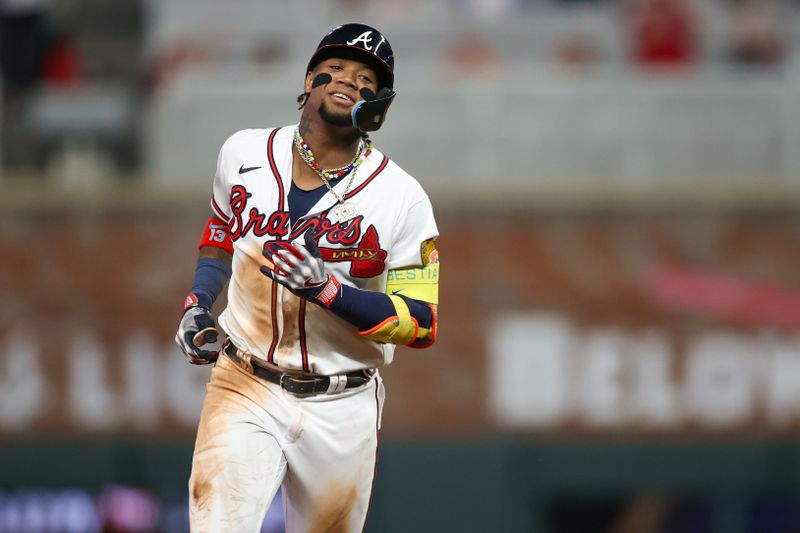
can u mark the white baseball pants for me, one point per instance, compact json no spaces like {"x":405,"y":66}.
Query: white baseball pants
{"x":254,"y":437}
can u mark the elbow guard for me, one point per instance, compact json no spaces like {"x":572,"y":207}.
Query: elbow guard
{"x":401,"y":328}
{"x":404,"y":328}
{"x":426,"y":336}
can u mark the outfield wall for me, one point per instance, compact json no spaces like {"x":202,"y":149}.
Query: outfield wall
{"x":581,"y":324}
{"x":599,"y":363}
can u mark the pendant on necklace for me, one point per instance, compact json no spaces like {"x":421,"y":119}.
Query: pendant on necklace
{"x":345,"y":211}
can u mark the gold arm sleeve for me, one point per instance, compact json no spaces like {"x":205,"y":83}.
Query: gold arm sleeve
{"x":417,"y":283}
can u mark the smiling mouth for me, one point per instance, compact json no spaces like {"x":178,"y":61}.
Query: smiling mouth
{"x":341,"y":97}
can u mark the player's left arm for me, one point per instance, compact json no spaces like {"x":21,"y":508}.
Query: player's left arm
{"x":406,"y":314}
{"x":418,"y":288}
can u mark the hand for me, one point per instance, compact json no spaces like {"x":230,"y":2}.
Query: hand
{"x":196,"y":329}
{"x":301,"y":270}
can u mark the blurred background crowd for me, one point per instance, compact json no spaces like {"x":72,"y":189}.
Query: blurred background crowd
{"x":616,"y":184}
{"x":100,"y":88}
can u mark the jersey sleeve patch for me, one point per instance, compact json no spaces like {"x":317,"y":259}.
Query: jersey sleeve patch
{"x":428,"y":252}
{"x":215,"y":234}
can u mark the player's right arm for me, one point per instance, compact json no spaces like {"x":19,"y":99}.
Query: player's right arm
{"x":213,"y":269}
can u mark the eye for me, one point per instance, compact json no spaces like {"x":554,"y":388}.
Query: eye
{"x":366,"y":78}
{"x":335,"y":67}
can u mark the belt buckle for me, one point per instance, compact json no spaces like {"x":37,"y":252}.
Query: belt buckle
{"x":298,"y":386}
{"x":290,"y":385}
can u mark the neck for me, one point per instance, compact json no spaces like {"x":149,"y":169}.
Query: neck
{"x":333,"y":146}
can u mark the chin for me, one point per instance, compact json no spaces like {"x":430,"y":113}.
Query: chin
{"x":341,"y":119}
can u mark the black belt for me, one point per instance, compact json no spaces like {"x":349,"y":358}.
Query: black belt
{"x":299,"y":384}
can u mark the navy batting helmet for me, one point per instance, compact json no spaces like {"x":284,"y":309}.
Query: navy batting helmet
{"x":362,"y":42}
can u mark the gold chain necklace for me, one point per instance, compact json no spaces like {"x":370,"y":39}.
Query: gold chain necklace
{"x":344,"y":210}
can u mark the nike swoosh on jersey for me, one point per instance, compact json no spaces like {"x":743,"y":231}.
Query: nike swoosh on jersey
{"x":243,"y":170}
{"x":398,"y":291}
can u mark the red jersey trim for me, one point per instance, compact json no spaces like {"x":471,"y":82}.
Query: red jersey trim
{"x":274,"y":304}
{"x":369,"y":179}
{"x":301,"y":328}
{"x":274,"y":167}
{"x":279,"y":180}
{"x":215,"y":207}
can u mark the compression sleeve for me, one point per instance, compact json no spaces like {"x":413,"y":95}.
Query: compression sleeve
{"x":210,"y":277}
{"x":367,"y":309}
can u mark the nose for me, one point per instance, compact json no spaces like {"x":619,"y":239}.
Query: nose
{"x":348,"y":77}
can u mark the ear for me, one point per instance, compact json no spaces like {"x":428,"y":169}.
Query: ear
{"x":309,"y":81}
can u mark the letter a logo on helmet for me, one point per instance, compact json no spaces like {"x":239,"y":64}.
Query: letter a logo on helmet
{"x":361,"y":42}
{"x":364,"y":38}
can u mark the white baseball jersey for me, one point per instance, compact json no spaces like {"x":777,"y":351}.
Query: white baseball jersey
{"x":393,"y":216}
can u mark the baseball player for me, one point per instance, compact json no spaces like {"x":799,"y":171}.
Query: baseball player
{"x":328,"y":249}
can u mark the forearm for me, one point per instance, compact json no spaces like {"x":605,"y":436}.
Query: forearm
{"x":367,"y":309}
{"x":213,"y":268}
{"x":197,"y":326}
{"x":211,"y":252}
{"x":212,"y":272}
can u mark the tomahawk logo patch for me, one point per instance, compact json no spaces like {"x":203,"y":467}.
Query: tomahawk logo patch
{"x":367,"y":260}
{"x":362,"y":250}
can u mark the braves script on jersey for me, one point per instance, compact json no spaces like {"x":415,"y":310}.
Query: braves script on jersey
{"x":393,"y":217}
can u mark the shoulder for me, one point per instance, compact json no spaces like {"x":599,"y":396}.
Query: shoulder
{"x":244,"y":139}
{"x":402,"y":182}
{"x":245,"y":147}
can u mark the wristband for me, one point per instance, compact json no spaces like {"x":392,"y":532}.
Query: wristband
{"x":329,"y":292}
{"x":190,"y":301}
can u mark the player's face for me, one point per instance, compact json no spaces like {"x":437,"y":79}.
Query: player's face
{"x":337,"y":98}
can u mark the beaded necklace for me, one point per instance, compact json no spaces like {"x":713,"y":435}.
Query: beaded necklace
{"x":344,"y":210}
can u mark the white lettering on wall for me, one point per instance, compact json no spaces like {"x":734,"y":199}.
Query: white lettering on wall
{"x":92,"y":402}
{"x":142,"y":394}
{"x":653,"y":399}
{"x":782,"y":395}
{"x":528,"y":370}
{"x":546,"y":373}
{"x":598,"y":389}
{"x":156,"y":385}
{"x":718,"y":389}
{"x":23,"y":390}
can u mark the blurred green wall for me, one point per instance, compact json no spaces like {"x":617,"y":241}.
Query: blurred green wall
{"x":494,"y":485}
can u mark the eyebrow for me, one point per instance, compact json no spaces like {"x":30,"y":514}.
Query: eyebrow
{"x":373,"y":74}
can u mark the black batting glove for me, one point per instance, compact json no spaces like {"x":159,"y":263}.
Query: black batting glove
{"x":197,"y":328}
